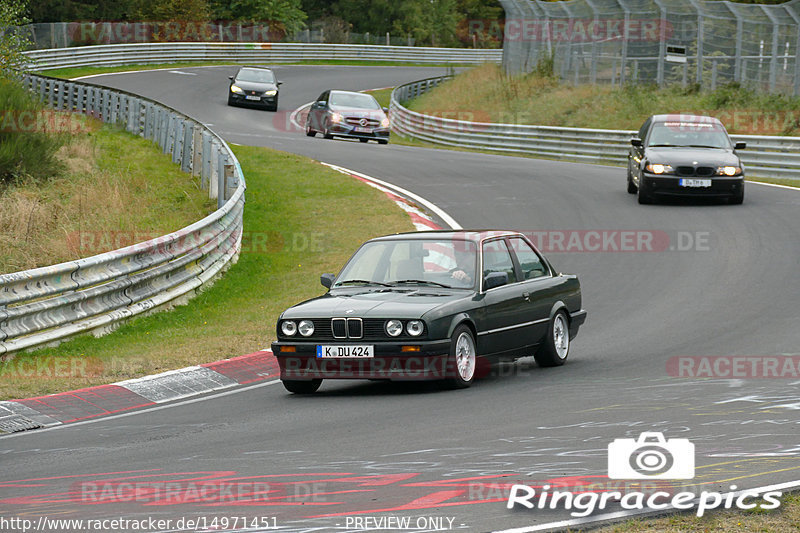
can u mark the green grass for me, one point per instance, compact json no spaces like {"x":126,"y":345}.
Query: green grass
{"x":112,"y":189}
{"x":488,"y":95}
{"x":301,"y":219}
{"x":785,"y":519}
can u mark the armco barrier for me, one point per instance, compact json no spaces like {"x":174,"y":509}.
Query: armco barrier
{"x":775,"y":156}
{"x":145,"y":53}
{"x":49,"y":304}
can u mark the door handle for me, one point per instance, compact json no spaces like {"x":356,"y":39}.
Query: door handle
{"x":526,"y":296}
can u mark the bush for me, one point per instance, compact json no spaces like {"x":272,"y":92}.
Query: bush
{"x":26,"y":148}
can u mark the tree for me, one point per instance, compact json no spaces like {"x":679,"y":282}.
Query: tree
{"x":285,"y":16}
{"x":173,"y":10}
{"x":12,"y":42}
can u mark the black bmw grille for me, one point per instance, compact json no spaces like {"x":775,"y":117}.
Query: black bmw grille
{"x":337,"y":329}
{"x":695,"y":171}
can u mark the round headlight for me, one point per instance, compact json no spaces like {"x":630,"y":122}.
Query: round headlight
{"x":414,"y":328}
{"x":306,"y":328}
{"x":288,"y":327}
{"x":728,"y":171}
{"x":394,"y":328}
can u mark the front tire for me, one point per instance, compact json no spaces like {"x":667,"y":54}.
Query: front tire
{"x":325,"y":132}
{"x":463,"y":358}
{"x":302,"y":387}
{"x":309,"y":131}
{"x":738,"y":198}
{"x":643,"y":197}
{"x":555,"y":350}
{"x":632,"y":188}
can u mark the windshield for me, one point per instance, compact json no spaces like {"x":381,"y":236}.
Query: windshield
{"x":256,"y":75}
{"x":354,"y":100}
{"x":689,"y":134}
{"x":408,"y":262}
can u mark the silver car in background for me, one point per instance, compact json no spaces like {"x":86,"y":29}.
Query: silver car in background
{"x":348,"y":114}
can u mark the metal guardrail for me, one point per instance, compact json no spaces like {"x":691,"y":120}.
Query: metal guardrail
{"x":765,"y":156}
{"x":144,"y":53}
{"x":52,"y":303}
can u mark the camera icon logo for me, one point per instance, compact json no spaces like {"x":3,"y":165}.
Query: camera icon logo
{"x":651,"y":457}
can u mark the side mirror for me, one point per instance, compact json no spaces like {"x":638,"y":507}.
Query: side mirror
{"x":320,"y":103}
{"x":637,"y":142}
{"x":230,"y":78}
{"x":740,"y":145}
{"x":278,"y":83}
{"x":385,"y":110}
{"x":495,"y":279}
{"x":327,"y":280}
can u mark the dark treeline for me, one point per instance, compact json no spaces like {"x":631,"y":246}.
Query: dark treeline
{"x":428,"y":22}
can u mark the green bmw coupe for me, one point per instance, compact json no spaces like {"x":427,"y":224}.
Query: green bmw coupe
{"x":430,"y":305}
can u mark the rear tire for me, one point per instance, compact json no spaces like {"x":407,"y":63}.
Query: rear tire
{"x":555,"y":349}
{"x":364,"y":140}
{"x":302,"y":387}
{"x":463,"y":358}
{"x":383,"y":141}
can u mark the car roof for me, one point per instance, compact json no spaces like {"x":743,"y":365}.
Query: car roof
{"x":475,"y":235}
{"x":348,"y":92}
{"x":250,"y":67}
{"x":684,"y":117}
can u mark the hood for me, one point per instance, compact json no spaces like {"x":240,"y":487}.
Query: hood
{"x":376,"y":303}
{"x":258,"y":87}
{"x":704,"y":157}
{"x":357,"y":112}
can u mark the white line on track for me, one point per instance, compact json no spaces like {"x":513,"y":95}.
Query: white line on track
{"x":143,"y":411}
{"x":774,"y":185}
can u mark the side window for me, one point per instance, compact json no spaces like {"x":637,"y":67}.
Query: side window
{"x":496,"y":258}
{"x":643,"y":129}
{"x":323,"y":97}
{"x":529,"y":261}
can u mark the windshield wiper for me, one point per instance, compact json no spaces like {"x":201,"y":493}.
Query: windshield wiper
{"x":422,"y":281}
{"x":703,"y":146}
{"x":662,"y":145}
{"x":363,"y":282}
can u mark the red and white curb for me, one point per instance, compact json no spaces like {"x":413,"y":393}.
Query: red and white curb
{"x":104,"y":400}
{"x":407,"y":200}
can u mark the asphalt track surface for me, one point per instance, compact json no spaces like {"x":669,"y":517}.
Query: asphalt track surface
{"x":363,"y":449}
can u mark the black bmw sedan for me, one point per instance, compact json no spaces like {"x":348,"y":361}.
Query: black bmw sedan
{"x":432,"y":305}
{"x":255,"y":86}
{"x":685,"y":155}
{"x":348,"y":114}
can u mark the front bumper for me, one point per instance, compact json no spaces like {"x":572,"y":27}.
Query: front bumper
{"x":241,"y":99}
{"x":721,"y":186}
{"x":346,"y":130}
{"x":429,"y":363}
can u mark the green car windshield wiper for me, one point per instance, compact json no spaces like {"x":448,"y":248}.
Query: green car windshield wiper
{"x":363,"y":282}
{"x":422,"y":281}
